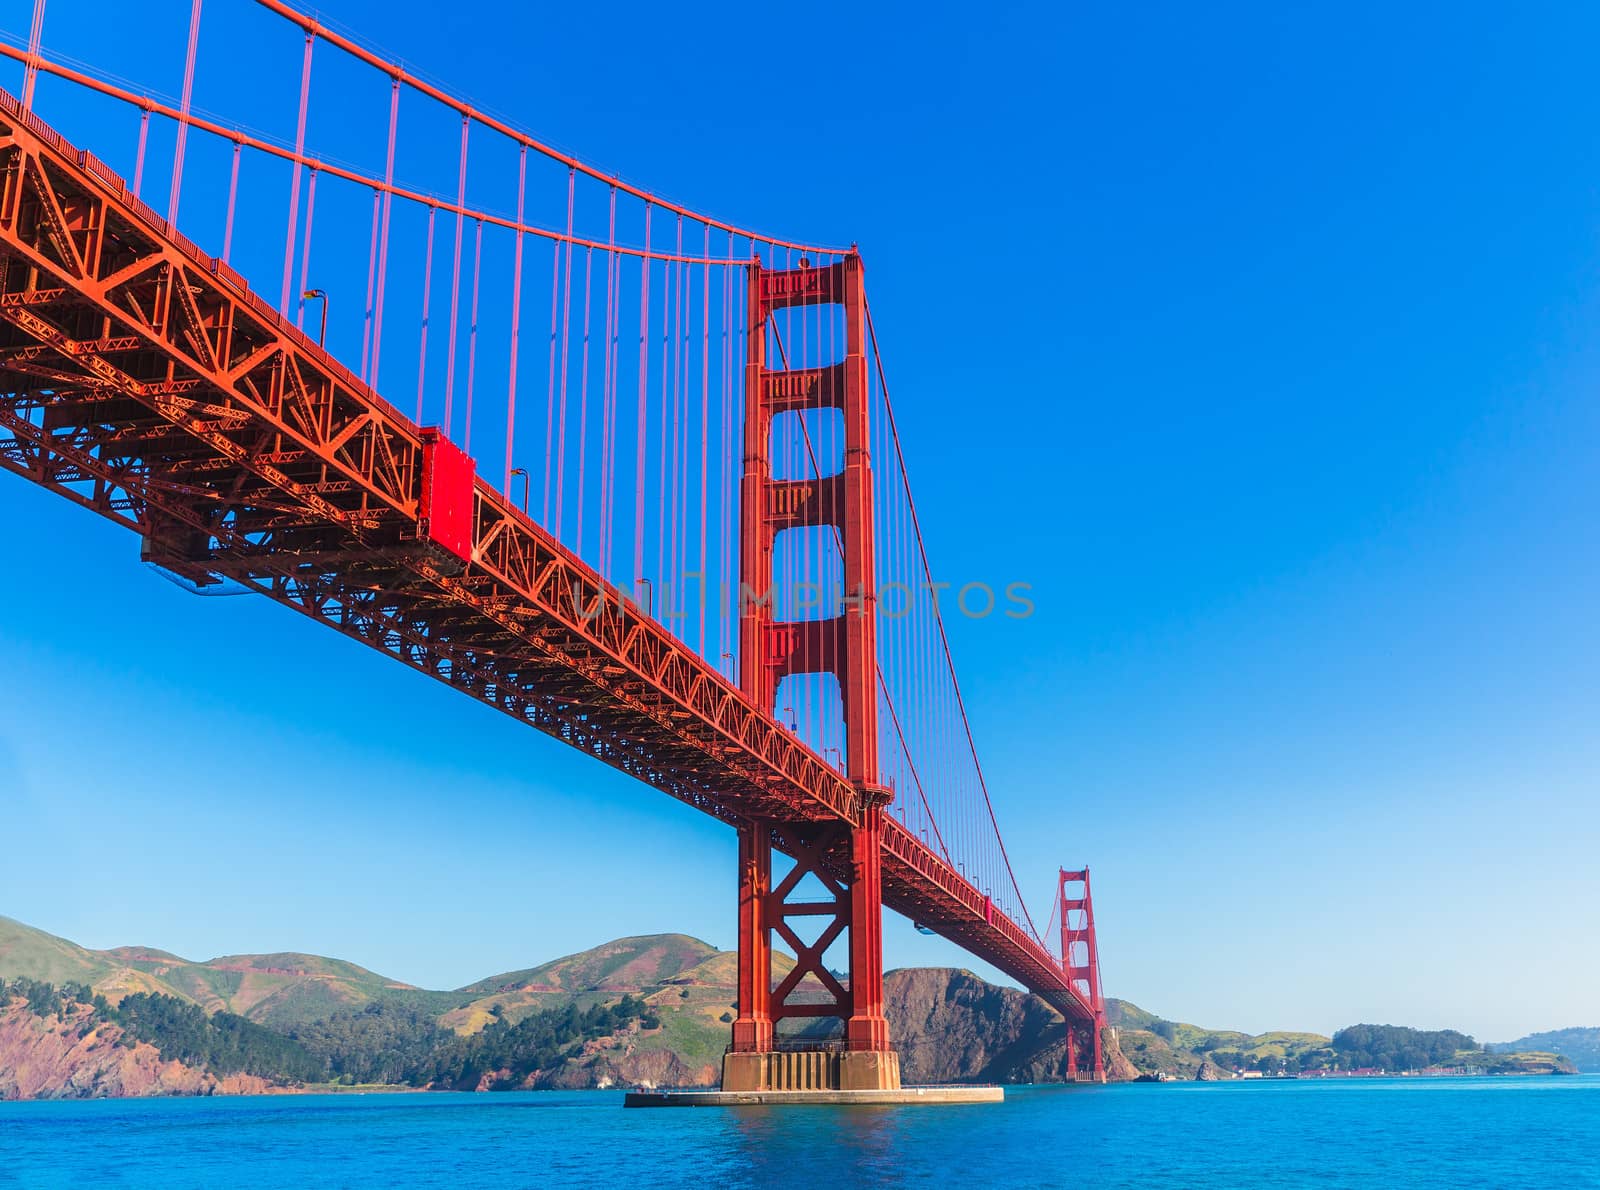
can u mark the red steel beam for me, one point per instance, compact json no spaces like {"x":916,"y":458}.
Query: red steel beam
{"x":258,"y":393}
{"x":144,"y":380}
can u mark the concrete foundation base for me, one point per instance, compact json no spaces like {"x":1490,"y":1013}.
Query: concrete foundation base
{"x":811,"y":1070}
{"x":868,"y":1071}
{"x":872,"y":1098}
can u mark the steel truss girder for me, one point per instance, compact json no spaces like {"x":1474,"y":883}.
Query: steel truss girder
{"x":288,"y":432}
{"x":177,"y":397}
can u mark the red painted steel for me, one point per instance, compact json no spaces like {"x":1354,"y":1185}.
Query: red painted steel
{"x":371,"y":370}
{"x":752,"y":1028}
{"x":146,"y":381}
{"x":309,"y":485}
{"x":1080,"y":956}
{"x":188,"y":92}
{"x":446,"y":512}
{"x":843,"y":645}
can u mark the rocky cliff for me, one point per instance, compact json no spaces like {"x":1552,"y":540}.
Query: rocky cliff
{"x":325,"y":1021}
{"x":69,"y":1056}
{"x":952,"y":1027}
{"x":628,"y":1065}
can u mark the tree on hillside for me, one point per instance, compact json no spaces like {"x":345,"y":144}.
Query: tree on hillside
{"x":1394,"y":1047}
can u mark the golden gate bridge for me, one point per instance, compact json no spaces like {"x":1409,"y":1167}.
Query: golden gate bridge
{"x":691,"y":548}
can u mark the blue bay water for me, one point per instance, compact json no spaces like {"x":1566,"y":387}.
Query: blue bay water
{"x":1370,"y":1132}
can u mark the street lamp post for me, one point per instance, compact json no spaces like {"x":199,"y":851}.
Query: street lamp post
{"x":322,"y":329}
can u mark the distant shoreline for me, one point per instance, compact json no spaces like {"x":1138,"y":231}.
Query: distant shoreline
{"x":649,"y":1011}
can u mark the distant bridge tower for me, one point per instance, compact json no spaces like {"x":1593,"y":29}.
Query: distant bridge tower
{"x":846,"y":860}
{"x":1080,"y":959}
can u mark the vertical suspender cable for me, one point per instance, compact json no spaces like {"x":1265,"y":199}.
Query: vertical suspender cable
{"x":919,"y":706}
{"x":372,"y":282}
{"x":516,"y":317}
{"x":674,"y":576}
{"x":455,"y":280}
{"x":943,"y":639}
{"x":566,"y":339}
{"x":670,"y":277}
{"x":383,"y":232}
{"x":738,"y":398}
{"x":427,"y":291}
{"x":550,"y":399}
{"x":233,"y":197}
{"x":30,"y":72}
{"x":680,"y":463}
{"x":305,"y":247}
{"x":183,"y":106}
{"x":639,"y":440}
{"x":608,"y":395}
{"x":725,"y":609}
{"x":138,"y":170}
{"x":294,"y":184}
{"x":616,"y":413}
{"x":705,"y":420}
{"x":583,"y":403}
{"x":472,"y":333}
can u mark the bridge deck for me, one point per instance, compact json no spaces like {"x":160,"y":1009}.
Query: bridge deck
{"x":144,"y":380}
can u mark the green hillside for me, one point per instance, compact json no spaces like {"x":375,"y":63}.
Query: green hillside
{"x":32,"y":954}
{"x":279,"y":990}
{"x":1176,"y":1048}
{"x":653,"y":1008}
{"x":1581,"y":1045}
{"x":689,"y":983}
{"x":696,"y":1007}
{"x":637,"y":966}
{"x":1180,"y":1050}
{"x":378,"y":1027}
{"x":627,"y":962}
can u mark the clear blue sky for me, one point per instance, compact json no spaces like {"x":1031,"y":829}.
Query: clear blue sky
{"x":1264,"y":342}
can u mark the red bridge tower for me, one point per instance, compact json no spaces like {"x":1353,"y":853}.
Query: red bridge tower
{"x":845,"y":859}
{"x":1080,"y":959}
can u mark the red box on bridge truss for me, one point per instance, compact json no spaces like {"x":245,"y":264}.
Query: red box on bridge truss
{"x":447,"y":486}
